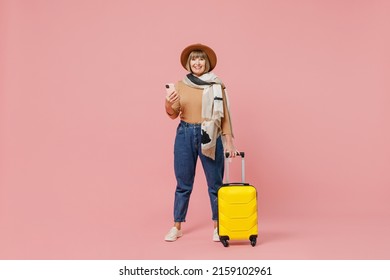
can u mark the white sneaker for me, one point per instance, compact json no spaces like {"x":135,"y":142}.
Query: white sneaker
{"x":215,"y":235}
{"x":173,"y":234}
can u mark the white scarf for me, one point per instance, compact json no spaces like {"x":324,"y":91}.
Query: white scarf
{"x":212,"y":109}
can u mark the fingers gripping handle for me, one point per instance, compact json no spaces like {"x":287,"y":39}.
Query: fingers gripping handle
{"x":241,"y":154}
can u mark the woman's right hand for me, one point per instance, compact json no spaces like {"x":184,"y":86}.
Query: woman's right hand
{"x":171,"y":98}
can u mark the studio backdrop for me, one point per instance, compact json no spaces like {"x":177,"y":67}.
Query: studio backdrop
{"x":86,"y":150}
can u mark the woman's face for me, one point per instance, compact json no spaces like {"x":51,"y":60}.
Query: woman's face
{"x":198,"y":66}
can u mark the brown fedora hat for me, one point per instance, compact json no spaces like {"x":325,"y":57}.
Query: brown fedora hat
{"x":198,"y":47}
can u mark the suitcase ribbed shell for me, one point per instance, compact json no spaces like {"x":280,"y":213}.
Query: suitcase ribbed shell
{"x":237,"y":211}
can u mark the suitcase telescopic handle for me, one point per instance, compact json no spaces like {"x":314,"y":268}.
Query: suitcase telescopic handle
{"x":242,"y":155}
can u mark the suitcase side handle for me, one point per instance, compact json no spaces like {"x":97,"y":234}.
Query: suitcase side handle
{"x":242,"y":154}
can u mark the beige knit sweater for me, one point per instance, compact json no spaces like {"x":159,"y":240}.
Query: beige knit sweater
{"x":189,"y":107}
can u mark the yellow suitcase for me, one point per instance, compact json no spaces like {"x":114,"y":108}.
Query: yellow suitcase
{"x":237,"y":209}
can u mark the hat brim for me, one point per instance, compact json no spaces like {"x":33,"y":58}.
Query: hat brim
{"x":198,"y":47}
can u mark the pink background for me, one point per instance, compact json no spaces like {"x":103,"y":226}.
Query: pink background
{"x":86,"y":150}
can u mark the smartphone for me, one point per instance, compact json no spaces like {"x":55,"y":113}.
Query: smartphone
{"x":170,"y":88}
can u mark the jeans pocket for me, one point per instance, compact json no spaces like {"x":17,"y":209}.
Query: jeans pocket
{"x":180,"y":129}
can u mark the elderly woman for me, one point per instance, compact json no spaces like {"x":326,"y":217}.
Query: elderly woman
{"x":201,"y":102}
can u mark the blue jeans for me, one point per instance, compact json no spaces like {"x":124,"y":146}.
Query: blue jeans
{"x":186,"y":152}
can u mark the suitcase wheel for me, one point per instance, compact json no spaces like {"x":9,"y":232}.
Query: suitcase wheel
{"x":224,"y":241}
{"x":253,"y":240}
